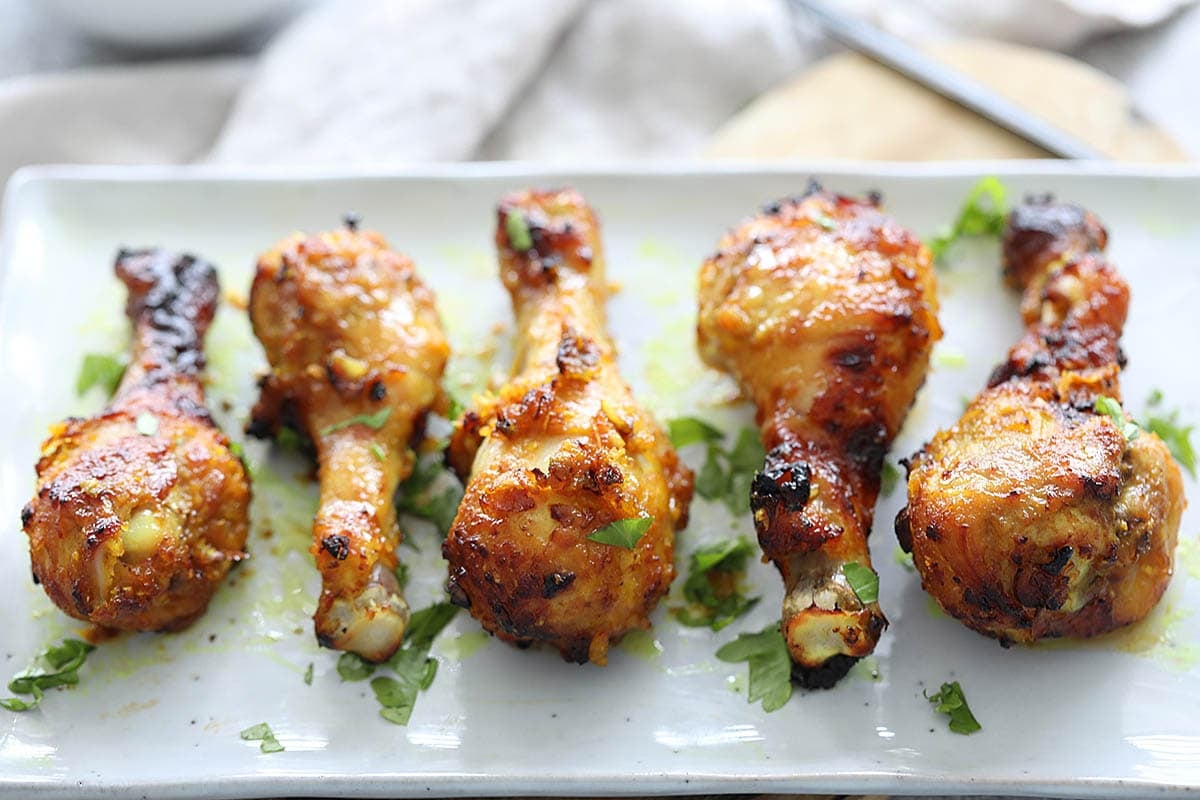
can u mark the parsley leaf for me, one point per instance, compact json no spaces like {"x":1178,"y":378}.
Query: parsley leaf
{"x":373,"y":421}
{"x":770,"y":665}
{"x":983,"y":214}
{"x":726,"y":474}
{"x":101,"y":370}
{"x":308,"y":674}
{"x":262,"y":733}
{"x":417,"y":497}
{"x":63,"y":662}
{"x":146,"y":424}
{"x":711,"y":588}
{"x":863,"y":581}
{"x":952,"y":702}
{"x":413,"y":669}
{"x":623,"y":532}
{"x":689,"y":430}
{"x":1112,"y":409}
{"x":1177,"y":437}
{"x":517,"y":228}
{"x":353,"y":667}
{"x":903,"y":559}
{"x":889,"y":478}
{"x":290,"y":439}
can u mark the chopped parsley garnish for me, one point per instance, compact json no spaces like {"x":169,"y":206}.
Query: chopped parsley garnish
{"x":1176,"y":436}
{"x":1112,"y":409}
{"x":378,"y":451}
{"x":769,"y":663}
{"x":689,"y":430}
{"x":888,"y":478}
{"x":517,"y":228}
{"x":904,"y":559}
{"x":419,"y":497}
{"x":454,"y":409}
{"x":402,"y":574}
{"x":623,"y":532}
{"x":982,"y":214}
{"x":101,"y":370}
{"x":825,"y":221}
{"x":712,"y":591}
{"x":353,"y":667}
{"x":262,"y":733}
{"x":952,"y":702}
{"x":290,"y":439}
{"x":308,"y":674}
{"x":863,"y":581}
{"x":373,"y":421}
{"x":146,"y":424}
{"x":58,"y":665}
{"x":413,"y":668}
{"x":726,"y":475}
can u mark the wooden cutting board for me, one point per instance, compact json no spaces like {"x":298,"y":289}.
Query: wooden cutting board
{"x":847,"y":106}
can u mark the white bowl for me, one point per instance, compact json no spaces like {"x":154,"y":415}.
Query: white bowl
{"x":159,"y":24}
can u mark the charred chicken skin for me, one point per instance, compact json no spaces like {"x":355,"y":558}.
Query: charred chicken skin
{"x":1035,"y":516}
{"x":357,"y":353}
{"x":560,"y":453}
{"x":141,"y":510}
{"x":824,"y":310}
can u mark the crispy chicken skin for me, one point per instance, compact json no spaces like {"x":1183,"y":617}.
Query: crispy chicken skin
{"x":825,"y":311}
{"x":141,"y":510}
{"x":1033,"y":516}
{"x":357,"y":353}
{"x":562,"y":451}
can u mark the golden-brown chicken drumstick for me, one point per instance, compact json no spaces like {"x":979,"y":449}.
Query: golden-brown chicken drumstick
{"x":141,"y":510}
{"x":824,"y":309}
{"x":357,"y":353}
{"x":1035,"y":515}
{"x":562,"y":452}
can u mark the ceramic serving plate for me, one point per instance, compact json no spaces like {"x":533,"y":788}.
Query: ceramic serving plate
{"x":160,"y":715}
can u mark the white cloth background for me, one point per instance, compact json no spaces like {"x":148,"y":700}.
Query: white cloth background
{"x":416,"y":80}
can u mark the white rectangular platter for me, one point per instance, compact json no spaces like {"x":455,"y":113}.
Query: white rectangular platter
{"x":159,"y":715}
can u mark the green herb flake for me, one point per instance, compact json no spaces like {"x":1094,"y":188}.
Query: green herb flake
{"x":146,"y":424}
{"x":517,"y":228}
{"x":308,"y":674}
{"x":101,"y":370}
{"x":712,"y":481}
{"x":378,"y":451}
{"x":903,"y":559}
{"x":1112,"y":409}
{"x":62,"y":663}
{"x":825,"y":221}
{"x":952,"y":702}
{"x":983,"y":214}
{"x":417,"y":497}
{"x":712,"y":585}
{"x":401,"y":573}
{"x":1176,"y":436}
{"x":769,"y":664}
{"x":413,"y":669}
{"x":262,"y":733}
{"x":623,"y":532}
{"x":454,"y":409}
{"x":373,"y":421}
{"x":353,"y":667}
{"x":888,"y":478}
{"x":689,"y":430}
{"x":863,"y":581}
{"x":290,"y":439}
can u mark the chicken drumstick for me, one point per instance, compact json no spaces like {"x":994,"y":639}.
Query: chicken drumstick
{"x":825,"y":311}
{"x":1035,"y":515}
{"x":561,"y":453}
{"x":141,"y":510}
{"x":357,"y":353}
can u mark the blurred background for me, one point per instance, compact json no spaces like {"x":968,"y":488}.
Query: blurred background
{"x":385,"y":82}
